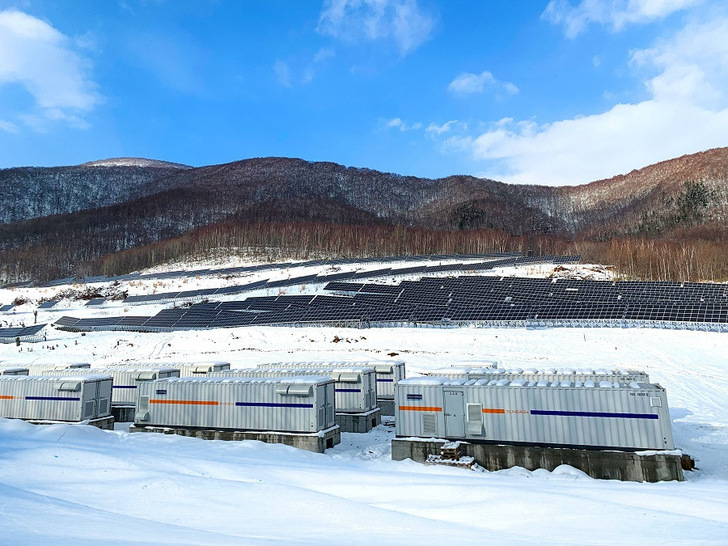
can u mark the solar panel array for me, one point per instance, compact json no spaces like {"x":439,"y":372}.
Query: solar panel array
{"x":485,"y":301}
{"x":24,"y":334}
{"x":277,"y":266}
{"x":211,"y":293}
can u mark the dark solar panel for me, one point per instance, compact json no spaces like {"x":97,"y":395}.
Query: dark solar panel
{"x":66,"y":321}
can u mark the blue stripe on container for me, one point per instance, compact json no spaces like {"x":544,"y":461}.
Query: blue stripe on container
{"x":124,"y":386}
{"x":347,"y":390}
{"x":273,"y":405}
{"x":50,"y":398}
{"x":596,"y":414}
{"x":385,"y":380}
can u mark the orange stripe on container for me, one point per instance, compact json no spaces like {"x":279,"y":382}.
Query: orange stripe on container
{"x":419,"y":408}
{"x":492,"y":410}
{"x":187,"y":402}
{"x":4,"y":397}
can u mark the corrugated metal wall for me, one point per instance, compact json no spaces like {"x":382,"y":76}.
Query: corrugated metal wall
{"x":126,"y":380}
{"x":388,"y":372}
{"x":496,"y":374}
{"x":42,"y":368}
{"x":355,"y":387}
{"x":186,"y":369}
{"x":619,"y":417}
{"x":55,"y":398}
{"x":294,"y":404}
{"x":13,"y":371}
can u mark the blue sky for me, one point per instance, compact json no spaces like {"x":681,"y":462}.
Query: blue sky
{"x":559,"y":92}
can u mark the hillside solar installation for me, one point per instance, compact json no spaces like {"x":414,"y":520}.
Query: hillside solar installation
{"x":454,"y":301}
{"x":285,"y":265}
{"x":48,"y":304}
{"x":24,"y":334}
{"x":213,"y":293}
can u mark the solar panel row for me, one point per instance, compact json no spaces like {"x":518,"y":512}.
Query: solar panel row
{"x":284,"y":265}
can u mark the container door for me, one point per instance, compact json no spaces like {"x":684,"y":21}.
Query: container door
{"x":454,"y":414}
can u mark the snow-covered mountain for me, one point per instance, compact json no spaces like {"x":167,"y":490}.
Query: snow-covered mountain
{"x":134,"y":162}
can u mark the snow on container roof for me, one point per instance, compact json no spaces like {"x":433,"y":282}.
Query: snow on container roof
{"x":329,"y":370}
{"x":9,"y":370}
{"x":521,"y":383}
{"x":424,"y":380}
{"x":80,"y":377}
{"x":308,"y":379}
{"x":56,"y":365}
{"x":135,"y":369}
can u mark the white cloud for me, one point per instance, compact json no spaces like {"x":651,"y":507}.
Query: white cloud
{"x":468,"y":83}
{"x":38,"y":57}
{"x":397,"y":123}
{"x":686,"y":77}
{"x":440,"y":129}
{"x":8,"y":127}
{"x":355,"y":21}
{"x":616,"y":14}
{"x":323,"y":54}
{"x":296,"y":71}
{"x":283,"y":73}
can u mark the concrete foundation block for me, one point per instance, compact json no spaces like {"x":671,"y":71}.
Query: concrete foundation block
{"x":651,"y":466}
{"x":358,"y":422}
{"x":104,"y":423}
{"x":315,"y":441}
{"x":386,"y":405}
{"x":123,"y":414}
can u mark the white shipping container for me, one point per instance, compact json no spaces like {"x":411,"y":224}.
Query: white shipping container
{"x":605,"y":415}
{"x":55,"y":398}
{"x":355,"y":388}
{"x":291,"y":404}
{"x":41,"y":368}
{"x":186,"y":369}
{"x":126,"y":380}
{"x":198,"y":369}
{"x":388,"y":372}
{"x":550,"y":374}
{"x":13,"y":371}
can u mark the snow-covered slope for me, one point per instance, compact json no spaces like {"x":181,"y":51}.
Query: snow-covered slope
{"x":78,"y":485}
{"x":134,"y":162}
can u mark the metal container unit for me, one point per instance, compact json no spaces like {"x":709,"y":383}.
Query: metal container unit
{"x":126,"y":380}
{"x":42,"y":368}
{"x":55,"y":398}
{"x":603,"y":415}
{"x":186,"y":369}
{"x":387,"y":372}
{"x":288,"y":404}
{"x":200,"y":369}
{"x":549,"y":374}
{"x":355,"y":388}
{"x":13,"y":370}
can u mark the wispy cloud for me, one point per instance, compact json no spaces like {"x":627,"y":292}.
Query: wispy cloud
{"x":686,"y":76}
{"x":615,"y":14}
{"x":41,"y":59}
{"x":282,"y":73}
{"x":8,"y":127}
{"x":444,"y":128}
{"x":401,"y":125}
{"x":355,"y":21}
{"x":301,"y":70}
{"x":469,"y":83}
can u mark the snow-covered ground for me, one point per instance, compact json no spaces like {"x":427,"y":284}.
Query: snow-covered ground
{"x":77,"y":485}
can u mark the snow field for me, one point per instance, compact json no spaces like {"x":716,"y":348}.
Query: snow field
{"x":79,"y":485}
